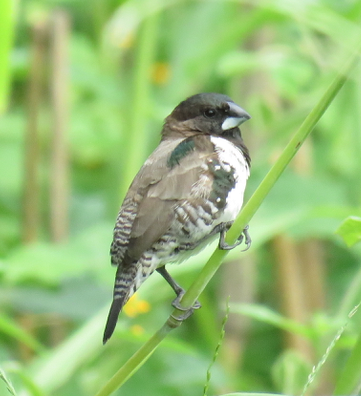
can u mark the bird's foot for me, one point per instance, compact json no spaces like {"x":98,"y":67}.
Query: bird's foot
{"x":179,"y":291}
{"x":187,"y":312}
{"x":244,"y":235}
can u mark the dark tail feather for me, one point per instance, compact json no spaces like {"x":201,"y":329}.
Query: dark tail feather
{"x":115,"y":309}
{"x":123,"y":290}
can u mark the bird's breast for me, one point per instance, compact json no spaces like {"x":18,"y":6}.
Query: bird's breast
{"x":233,"y":164}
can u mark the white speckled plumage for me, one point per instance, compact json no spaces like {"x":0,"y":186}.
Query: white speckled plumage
{"x":231,"y":156}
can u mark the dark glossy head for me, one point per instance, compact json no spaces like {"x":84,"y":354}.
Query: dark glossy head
{"x":208,"y":113}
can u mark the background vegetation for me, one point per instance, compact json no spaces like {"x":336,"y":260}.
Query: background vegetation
{"x":91,"y":82}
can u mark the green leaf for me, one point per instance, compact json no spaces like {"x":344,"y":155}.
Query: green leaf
{"x":6,"y":34}
{"x":267,"y":315}
{"x":350,"y":230}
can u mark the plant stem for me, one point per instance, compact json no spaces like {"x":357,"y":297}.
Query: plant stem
{"x":7,"y":24}
{"x":135,"y":362}
{"x":59,"y":174}
{"x":31,"y":197}
{"x":136,"y":147}
{"x":189,"y":298}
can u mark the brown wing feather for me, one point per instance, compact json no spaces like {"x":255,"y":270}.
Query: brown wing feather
{"x":155,"y":192}
{"x":156,"y":210}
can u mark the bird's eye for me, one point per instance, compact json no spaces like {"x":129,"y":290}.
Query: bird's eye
{"x":210,"y":113}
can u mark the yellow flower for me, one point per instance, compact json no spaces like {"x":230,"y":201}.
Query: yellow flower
{"x":160,"y":73}
{"x":135,"y":306}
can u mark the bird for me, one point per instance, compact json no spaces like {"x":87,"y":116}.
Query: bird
{"x":188,"y":192}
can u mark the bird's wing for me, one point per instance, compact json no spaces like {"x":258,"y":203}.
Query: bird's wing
{"x":148,"y":209}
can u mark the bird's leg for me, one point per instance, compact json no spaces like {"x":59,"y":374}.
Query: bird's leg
{"x":173,"y":284}
{"x":224,"y":245}
{"x":179,"y":291}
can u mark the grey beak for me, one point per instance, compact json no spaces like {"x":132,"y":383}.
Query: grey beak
{"x":237,"y":116}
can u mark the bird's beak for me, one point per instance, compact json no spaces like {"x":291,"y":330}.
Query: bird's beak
{"x":236,"y":117}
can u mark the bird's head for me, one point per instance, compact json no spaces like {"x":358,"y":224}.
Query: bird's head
{"x":205,"y":113}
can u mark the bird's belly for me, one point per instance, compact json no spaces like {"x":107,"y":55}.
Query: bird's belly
{"x":189,"y":233}
{"x":186,"y":239}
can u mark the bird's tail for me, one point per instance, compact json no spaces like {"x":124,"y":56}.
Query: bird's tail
{"x":124,"y":288}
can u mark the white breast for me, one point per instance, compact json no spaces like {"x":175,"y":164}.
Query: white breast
{"x":230,"y":156}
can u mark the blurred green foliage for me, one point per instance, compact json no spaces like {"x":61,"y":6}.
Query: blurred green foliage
{"x":131,"y":62}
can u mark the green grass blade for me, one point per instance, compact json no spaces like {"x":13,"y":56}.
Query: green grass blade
{"x":6,"y":34}
{"x":267,"y":315}
{"x":52,"y":371}
{"x":136,"y":136}
{"x":8,"y":384}
{"x":216,"y":352}
{"x":349,"y":382}
{"x":9,"y":327}
{"x":316,"y":369}
{"x":135,"y":362}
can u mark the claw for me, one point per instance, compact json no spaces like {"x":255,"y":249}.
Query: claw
{"x":187,"y":312}
{"x":224,"y":245}
{"x":248,"y":239}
